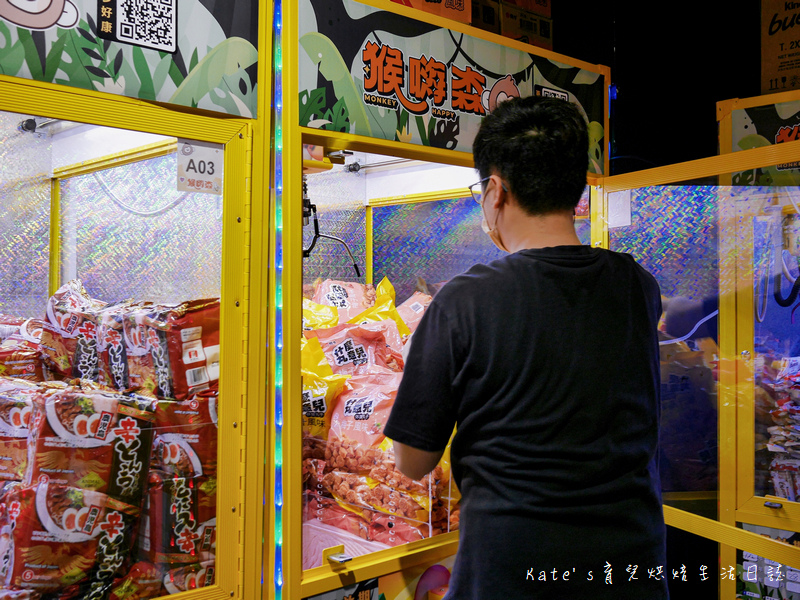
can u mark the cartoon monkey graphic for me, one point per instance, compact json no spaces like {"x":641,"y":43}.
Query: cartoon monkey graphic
{"x":502,"y":90}
{"x":39,"y":14}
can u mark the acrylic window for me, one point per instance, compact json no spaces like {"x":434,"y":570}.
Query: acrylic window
{"x":672,"y":231}
{"x":109,"y":379}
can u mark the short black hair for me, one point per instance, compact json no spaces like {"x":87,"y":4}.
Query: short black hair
{"x":540,"y":147}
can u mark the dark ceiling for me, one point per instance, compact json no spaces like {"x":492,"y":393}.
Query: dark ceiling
{"x":671,"y":62}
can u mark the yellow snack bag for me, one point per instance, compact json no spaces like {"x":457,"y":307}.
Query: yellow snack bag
{"x":383,"y":310}
{"x":319,"y":316}
{"x":321,"y":387}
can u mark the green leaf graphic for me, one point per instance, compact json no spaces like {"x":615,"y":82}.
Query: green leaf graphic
{"x":312,"y":104}
{"x":323,"y":53}
{"x":227,"y":58}
{"x":12,"y":56}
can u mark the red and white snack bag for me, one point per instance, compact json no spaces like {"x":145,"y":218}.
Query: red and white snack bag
{"x":412,"y":310}
{"x":61,"y":537}
{"x":185,"y":442}
{"x":183,"y":341}
{"x":19,"y":595}
{"x":16,"y":408}
{"x":394,"y":530}
{"x":190,"y":577}
{"x":141,"y":372}
{"x":361,"y":349}
{"x":92,"y":440}
{"x":179,"y":524}
{"x":20,"y":351}
{"x":350,"y":298}
{"x":69,"y":334}
{"x":111,"y":348}
{"x":142,"y":582}
{"x":9,"y":325}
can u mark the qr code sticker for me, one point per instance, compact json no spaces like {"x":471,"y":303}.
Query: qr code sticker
{"x":359,"y":408}
{"x":150,"y":23}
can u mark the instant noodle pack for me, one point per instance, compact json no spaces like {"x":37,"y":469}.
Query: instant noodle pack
{"x":108,"y":449}
{"x":351,"y":367}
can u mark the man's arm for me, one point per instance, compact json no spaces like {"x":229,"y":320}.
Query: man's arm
{"x":413,"y":462}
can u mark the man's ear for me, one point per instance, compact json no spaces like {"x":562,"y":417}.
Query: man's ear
{"x":499,"y":193}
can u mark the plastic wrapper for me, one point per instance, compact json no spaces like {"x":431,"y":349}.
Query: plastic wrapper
{"x":184,"y":347}
{"x":413,"y":309}
{"x":328,"y":512}
{"x":384,"y":310}
{"x":142,"y":582}
{"x":16,"y":409}
{"x":59,"y":539}
{"x":348,"y":297}
{"x":111,"y":348}
{"x":190,"y":577}
{"x":361,"y":349}
{"x":69,"y":334}
{"x":20,"y":351}
{"x":321,"y":388}
{"x":92,"y":440}
{"x":319,"y":316}
{"x":185,"y":443}
{"x":141,"y":371}
{"x":179,"y":522}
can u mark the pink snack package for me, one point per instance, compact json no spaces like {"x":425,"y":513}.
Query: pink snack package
{"x":350,"y":298}
{"x":361,"y":349}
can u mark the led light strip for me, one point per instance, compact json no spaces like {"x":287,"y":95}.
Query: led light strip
{"x":278,"y":300}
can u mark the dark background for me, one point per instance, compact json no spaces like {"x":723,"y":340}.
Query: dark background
{"x":670,"y":62}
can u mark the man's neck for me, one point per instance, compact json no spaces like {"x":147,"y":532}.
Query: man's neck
{"x":521,"y":231}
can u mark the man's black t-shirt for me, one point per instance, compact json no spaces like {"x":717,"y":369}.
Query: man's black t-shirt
{"x":547,"y":360}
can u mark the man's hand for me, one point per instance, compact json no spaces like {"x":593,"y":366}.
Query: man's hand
{"x":413,"y":462}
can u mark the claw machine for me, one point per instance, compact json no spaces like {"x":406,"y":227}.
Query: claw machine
{"x":125,"y":303}
{"x":717,"y":235}
{"x":374,"y":111}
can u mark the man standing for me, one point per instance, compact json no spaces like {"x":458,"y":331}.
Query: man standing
{"x":547,"y":362}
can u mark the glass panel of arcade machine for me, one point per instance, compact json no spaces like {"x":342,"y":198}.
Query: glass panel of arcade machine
{"x":115,"y":376}
{"x":769,"y":238}
{"x":353,"y":494}
{"x":672,"y":231}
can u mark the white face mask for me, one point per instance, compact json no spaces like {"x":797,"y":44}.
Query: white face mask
{"x":493,"y":234}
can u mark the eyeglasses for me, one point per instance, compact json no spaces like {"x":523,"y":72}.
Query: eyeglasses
{"x":478,"y":195}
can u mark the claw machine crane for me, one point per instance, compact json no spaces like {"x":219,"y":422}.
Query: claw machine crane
{"x":374,"y":112}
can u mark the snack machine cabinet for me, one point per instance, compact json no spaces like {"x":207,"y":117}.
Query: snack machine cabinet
{"x":124,"y":293}
{"x":721,"y":248}
{"x":374,"y":116}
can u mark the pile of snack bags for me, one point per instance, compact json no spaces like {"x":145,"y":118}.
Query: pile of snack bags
{"x":352,"y":363}
{"x":108,"y":448}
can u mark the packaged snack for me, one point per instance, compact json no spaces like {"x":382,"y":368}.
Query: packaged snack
{"x":185,"y":442}
{"x":319,"y":316}
{"x":142,"y":582}
{"x":141,"y":372}
{"x":412,"y":310}
{"x":357,"y":492}
{"x":328,"y":512}
{"x":20,"y":351}
{"x":359,"y":416}
{"x":393,"y":530}
{"x":93,"y":440}
{"x":190,"y":577}
{"x":184,"y":346}
{"x":61,"y":536}
{"x":321,"y":388}
{"x":179,"y":523}
{"x":9,"y":325}
{"x":16,"y":408}
{"x":361,"y":349}
{"x":349,"y":297}
{"x":69,"y":334}
{"x":383,"y":310}
{"x":111,"y":348}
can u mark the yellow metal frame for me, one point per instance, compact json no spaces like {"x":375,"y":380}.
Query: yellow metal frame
{"x":235,"y":573}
